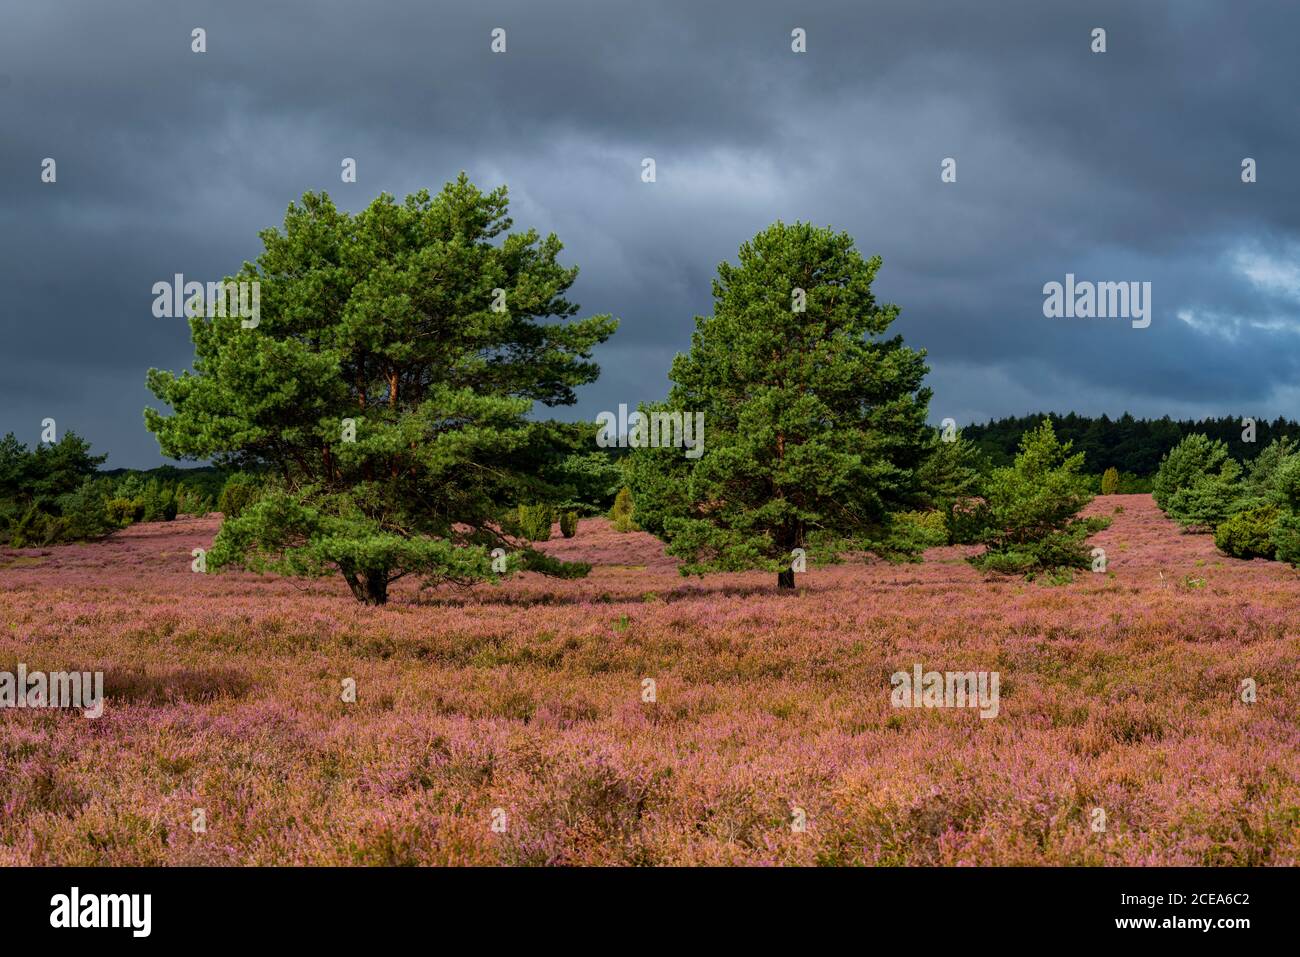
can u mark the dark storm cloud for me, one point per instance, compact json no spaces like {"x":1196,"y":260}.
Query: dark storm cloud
{"x":1115,"y":166}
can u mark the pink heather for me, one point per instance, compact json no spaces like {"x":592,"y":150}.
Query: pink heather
{"x":1118,"y":691}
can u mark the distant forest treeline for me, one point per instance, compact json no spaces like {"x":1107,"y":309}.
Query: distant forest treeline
{"x":1126,"y":444}
{"x":1132,"y":446}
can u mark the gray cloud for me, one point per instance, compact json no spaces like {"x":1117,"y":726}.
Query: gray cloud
{"x":1114,"y":167}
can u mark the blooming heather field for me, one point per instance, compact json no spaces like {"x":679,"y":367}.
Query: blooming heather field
{"x":1118,"y":691}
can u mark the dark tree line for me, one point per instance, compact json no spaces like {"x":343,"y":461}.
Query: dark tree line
{"x":1126,"y":443}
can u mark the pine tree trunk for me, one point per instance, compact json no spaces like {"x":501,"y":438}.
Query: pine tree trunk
{"x":370,"y":588}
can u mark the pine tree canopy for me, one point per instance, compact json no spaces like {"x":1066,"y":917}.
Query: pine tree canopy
{"x":814,"y":420}
{"x":386,"y":387}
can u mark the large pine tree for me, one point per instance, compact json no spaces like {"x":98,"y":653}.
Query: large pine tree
{"x":385,"y":388}
{"x":814,"y":422}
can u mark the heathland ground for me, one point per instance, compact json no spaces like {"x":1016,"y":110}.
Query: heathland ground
{"x":522,"y":706}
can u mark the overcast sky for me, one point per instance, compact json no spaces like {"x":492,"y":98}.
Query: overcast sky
{"x":1115,"y":166}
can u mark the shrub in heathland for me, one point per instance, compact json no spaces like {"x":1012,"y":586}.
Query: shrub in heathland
{"x":950,"y":480}
{"x":30,"y":528}
{"x":123,"y":511}
{"x":1209,"y":499}
{"x":920,"y":530}
{"x":1030,"y":511}
{"x":1248,"y":534}
{"x":1191,"y":459}
{"x":621,"y":513}
{"x":85,"y":513}
{"x":535,"y":522}
{"x":239,"y":492}
{"x":1110,"y":481}
{"x":1260,"y":486}
{"x":1285,"y":534}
